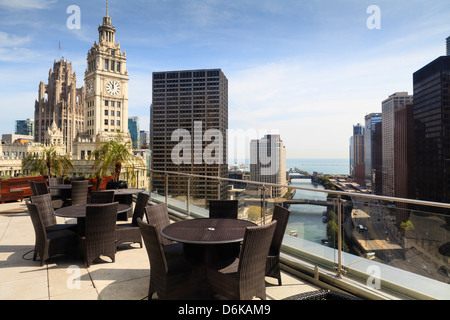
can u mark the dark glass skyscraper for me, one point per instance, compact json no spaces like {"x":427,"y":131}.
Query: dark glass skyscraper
{"x":432,"y":130}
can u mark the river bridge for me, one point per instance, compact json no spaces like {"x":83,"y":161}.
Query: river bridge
{"x":305,"y":201}
{"x":295,"y":174}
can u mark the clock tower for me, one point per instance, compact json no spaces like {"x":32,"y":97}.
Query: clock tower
{"x":106,"y":85}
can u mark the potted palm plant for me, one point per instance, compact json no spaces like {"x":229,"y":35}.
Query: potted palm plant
{"x":114,"y":156}
{"x":48,"y":161}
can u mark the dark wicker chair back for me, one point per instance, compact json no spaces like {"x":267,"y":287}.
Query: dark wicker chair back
{"x":223,"y":209}
{"x":129,"y":232}
{"x":33,"y":188}
{"x":246,"y":279}
{"x":154,"y":248}
{"x":139,"y":207}
{"x":53,"y":182}
{"x":41,"y":188}
{"x":99,"y":231}
{"x":102,"y":196}
{"x":170,"y":279}
{"x":79,"y":192}
{"x":158,"y":215}
{"x":39,"y":230}
{"x":255,"y":247}
{"x":45,"y":207}
{"x":281,"y":215}
{"x":60,"y":241}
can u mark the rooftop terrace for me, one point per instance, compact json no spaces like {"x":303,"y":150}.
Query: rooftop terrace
{"x":391,"y":263}
{"x":127,"y":278}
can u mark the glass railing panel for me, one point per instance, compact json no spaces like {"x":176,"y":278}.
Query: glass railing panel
{"x":158,"y":189}
{"x":251,"y":205}
{"x":199,"y":191}
{"x":401,"y":235}
{"x":374,"y":231}
{"x":176,"y":192}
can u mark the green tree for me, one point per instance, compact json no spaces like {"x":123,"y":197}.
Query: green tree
{"x":47,"y":161}
{"x":254,"y":213}
{"x":114,"y":155}
{"x":406,"y":226}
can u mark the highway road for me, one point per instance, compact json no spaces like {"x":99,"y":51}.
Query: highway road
{"x":381,"y":237}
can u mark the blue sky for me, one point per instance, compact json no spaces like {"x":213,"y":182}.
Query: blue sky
{"x":308,"y":70}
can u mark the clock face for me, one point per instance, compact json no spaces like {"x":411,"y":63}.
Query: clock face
{"x":113,"y":88}
{"x":90,"y":88}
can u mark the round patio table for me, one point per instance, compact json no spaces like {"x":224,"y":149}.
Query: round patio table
{"x":207,"y":231}
{"x":126,"y":191}
{"x":64,"y":186}
{"x":207,"y":241}
{"x":79,"y":210}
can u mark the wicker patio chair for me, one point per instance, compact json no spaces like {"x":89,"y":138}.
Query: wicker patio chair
{"x":129,"y":232}
{"x":281,"y":215}
{"x":33,"y":188}
{"x":158,"y":215}
{"x":45,"y":206}
{"x":102,"y":196}
{"x":79,"y":192}
{"x":49,"y":244}
{"x":322,"y":294}
{"x":244,"y":278}
{"x":99,"y":232}
{"x":52,"y":181}
{"x":223,"y":209}
{"x":41,"y":188}
{"x":169,"y":278}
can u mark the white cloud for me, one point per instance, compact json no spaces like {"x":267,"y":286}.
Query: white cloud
{"x":27,"y":4}
{"x":12,"y":40}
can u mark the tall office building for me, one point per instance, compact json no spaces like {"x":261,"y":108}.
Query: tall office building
{"x":448,"y":46}
{"x":369,"y":145}
{"x":60,"y":106}
{"x":133,"y":129}
{"x":25,"y":127}
{"x":189,"y":122}
{"x":357,"y":171}
{"x":144,"y":139}
{"x":404,"y":157}
{"x":388,"y":107}
{"x":377,"y":159}
{"x":432,"y":130}
{"x":268,"y":162}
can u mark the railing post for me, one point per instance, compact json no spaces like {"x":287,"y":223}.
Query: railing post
{"x":166,"y":186}
{"x":218,"y":190}
{"x":188,"y":196}
{"x":150,"y":182}
{"x":263,"y":204}
{"x":339,"y":218}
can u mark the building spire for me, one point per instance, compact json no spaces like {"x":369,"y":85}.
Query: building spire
{"x":106,"y":7}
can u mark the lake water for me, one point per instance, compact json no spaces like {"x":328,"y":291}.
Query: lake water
{"x":326,"y":166}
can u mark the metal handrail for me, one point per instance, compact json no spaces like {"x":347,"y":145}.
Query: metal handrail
{"x":335,"y":192}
